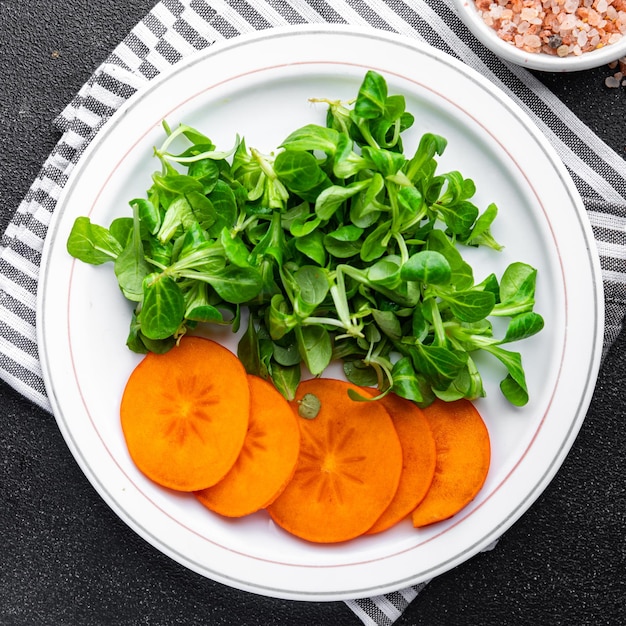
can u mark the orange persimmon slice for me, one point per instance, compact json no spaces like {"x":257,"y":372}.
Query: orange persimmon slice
{"x":419,"y":458}
{"x":267,"y":460}
{"x":463,"y":458}
{"x":185,"y":414}
{"x":349,"y":466}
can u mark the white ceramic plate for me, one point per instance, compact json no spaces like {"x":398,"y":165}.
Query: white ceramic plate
{"x":259,"y":87}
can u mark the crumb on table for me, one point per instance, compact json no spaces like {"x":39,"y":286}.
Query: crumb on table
{"x":618,"y":78}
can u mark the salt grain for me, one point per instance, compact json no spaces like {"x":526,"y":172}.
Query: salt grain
{"x":532,"y":41}
{"x":554,"y":41}
{"x":528,"y":14}
{"x":601,"y":6}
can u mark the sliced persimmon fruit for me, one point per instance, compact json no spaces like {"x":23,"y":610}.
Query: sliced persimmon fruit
{"x":267,"y":460}
{"x":419,"y":456}
{"x":184,"y":414}
{"x":349,"y":466}
{"x":463,"y":458}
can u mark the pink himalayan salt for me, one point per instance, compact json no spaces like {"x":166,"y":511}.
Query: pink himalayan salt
{"x":562,"y":27}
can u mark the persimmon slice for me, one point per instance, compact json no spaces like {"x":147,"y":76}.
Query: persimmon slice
{"x":184,"y":414}
{"x":419,"y":456}
{"x":349,"y":466}
{"x":267,"y":460}
{"x":463,"y":459}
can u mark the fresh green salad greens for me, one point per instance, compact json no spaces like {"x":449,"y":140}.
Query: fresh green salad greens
{"x":337,"y":245}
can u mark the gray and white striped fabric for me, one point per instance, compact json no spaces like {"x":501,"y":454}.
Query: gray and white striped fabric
{"x":175,"y":29}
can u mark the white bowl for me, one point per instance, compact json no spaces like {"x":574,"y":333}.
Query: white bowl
{"x":535,"y":60}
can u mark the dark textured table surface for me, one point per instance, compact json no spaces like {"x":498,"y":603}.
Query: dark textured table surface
{"x":66,"y":559}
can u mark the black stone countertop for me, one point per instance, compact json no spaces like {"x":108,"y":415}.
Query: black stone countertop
{"x":65,"y":557}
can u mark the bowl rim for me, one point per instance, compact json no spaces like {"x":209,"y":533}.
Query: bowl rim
{"x":538,"y":61}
